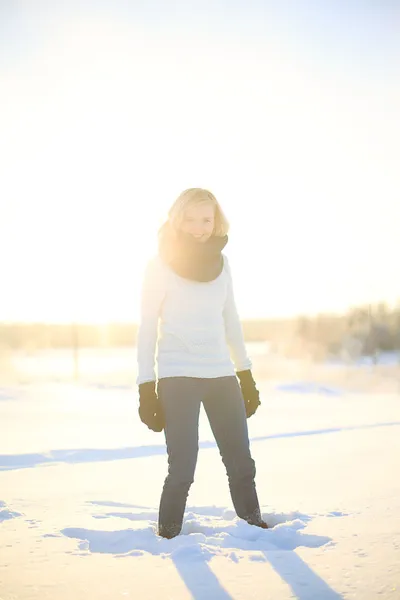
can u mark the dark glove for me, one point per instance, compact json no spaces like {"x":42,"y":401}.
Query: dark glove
{"x":150,"y":408}
{"x":250,"y":393}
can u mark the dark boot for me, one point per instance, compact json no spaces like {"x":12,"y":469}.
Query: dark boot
{"x":169,"y":532}
{"x":260,"y":523}
{"x":172,"y":507}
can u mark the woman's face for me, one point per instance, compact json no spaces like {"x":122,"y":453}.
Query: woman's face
{"x":199,"y":221}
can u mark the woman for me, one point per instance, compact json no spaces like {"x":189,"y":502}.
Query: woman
{"x":190,"y":326}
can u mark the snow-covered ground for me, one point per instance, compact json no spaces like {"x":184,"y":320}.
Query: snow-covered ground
{"x":80,"y":479}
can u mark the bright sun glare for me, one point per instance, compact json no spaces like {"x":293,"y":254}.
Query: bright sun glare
{"x":101,"y":130}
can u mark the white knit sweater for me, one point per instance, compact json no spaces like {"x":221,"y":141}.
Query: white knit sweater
{"x":188,"y":328}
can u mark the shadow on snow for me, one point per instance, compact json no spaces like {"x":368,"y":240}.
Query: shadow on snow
{"x":192,"y":551}
{"x":85,"y":455}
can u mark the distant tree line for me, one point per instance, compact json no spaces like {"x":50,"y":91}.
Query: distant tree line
{"x":32,"y":336}
{"x":366,"y":329}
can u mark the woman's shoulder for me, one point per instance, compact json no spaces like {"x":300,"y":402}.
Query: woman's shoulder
{"x":155,"y":262}
{"x":156,"y":267}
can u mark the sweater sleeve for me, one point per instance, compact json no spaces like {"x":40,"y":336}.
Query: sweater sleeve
{"x":233,"y":327}
{"x":152,"y":296}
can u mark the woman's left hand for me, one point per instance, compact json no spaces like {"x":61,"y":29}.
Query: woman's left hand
{"x":251,"y":395}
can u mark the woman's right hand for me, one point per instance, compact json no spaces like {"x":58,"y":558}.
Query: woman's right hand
{"x":150,"y":408}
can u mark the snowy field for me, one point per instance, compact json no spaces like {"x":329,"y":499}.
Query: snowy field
{"x":80,"y":479}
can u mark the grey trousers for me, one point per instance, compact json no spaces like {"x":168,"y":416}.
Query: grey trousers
{"x":181,"y":398}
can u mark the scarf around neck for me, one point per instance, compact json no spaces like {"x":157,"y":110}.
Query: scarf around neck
{"x":191,"y":259}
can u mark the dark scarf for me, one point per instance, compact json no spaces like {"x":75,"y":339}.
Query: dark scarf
{"x":191,"y":259}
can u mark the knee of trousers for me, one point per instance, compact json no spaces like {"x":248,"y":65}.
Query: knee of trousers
{"x":241,"y":469}
{"x":181,"y":473}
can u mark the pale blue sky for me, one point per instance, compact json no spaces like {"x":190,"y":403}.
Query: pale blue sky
{"x":288,"y":111}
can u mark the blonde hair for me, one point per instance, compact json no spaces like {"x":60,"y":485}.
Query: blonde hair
{"x":190,"y":197}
